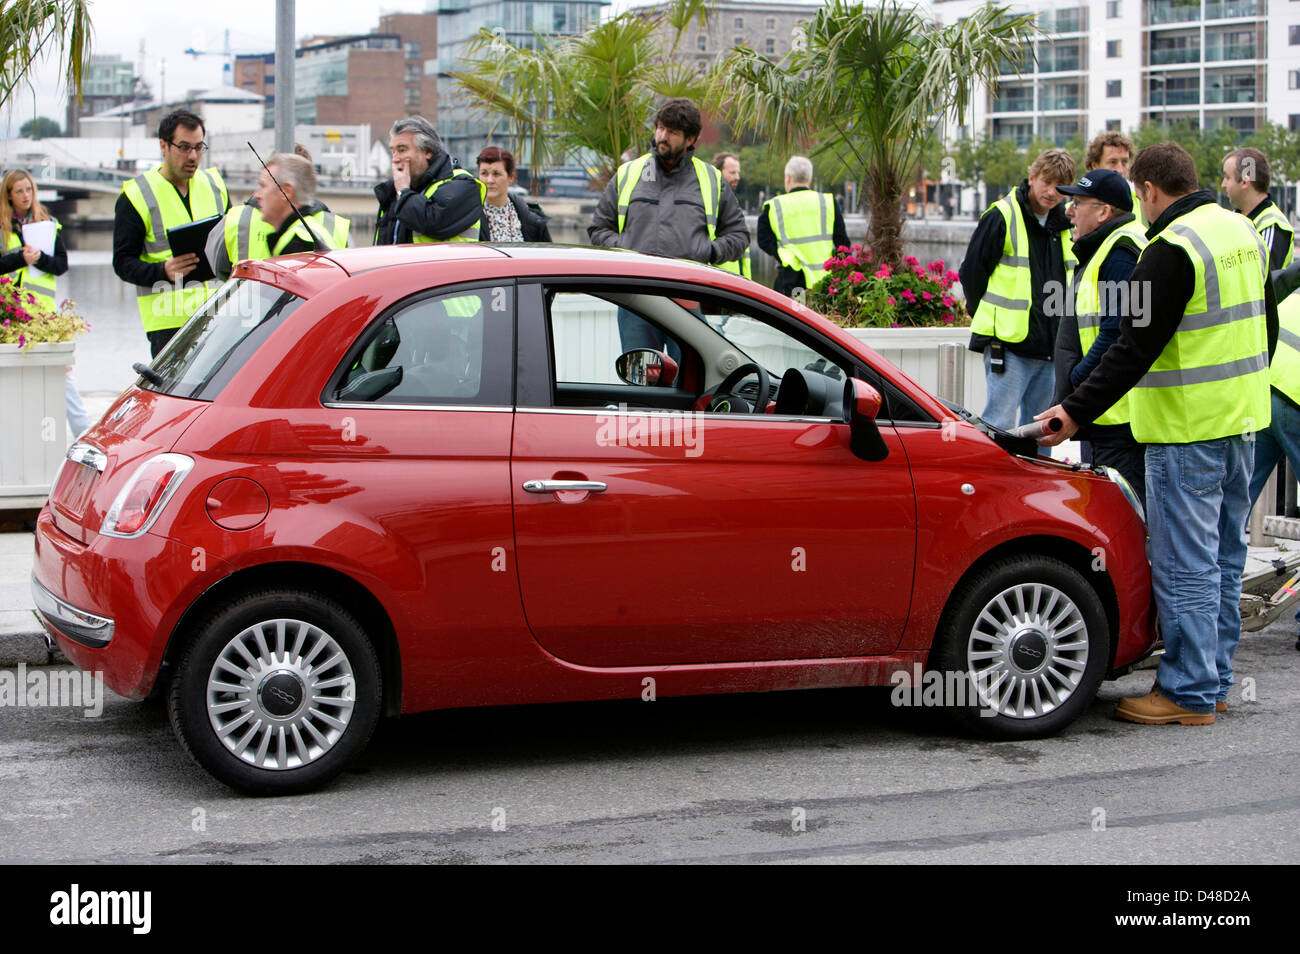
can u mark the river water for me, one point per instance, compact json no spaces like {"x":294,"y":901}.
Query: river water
{"x":116,"y":338}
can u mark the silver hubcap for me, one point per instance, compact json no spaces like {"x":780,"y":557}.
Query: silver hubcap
{"x":281,"y":694}
{"x":1027,"y":651}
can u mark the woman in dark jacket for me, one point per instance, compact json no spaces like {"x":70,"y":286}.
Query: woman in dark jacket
{"x":506,"y":216}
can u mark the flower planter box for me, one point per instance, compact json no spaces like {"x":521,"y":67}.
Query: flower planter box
{"x":33,"y":424}
{"x":915,"y":351}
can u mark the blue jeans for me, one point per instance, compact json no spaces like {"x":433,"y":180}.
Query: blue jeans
{"x":1197,"y":504}
{"x":1026,"y":383}
{"x":1280,"y":438}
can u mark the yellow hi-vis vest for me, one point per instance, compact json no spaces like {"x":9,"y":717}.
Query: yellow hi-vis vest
{"x":1087,"y":303}
{"x":739,"y":266}
{"x":709,"y":178}
{"x":43,"y":286}
{"x":1284,"y":372}
{"x":159,"y":206}
{"x":248,"y":234}
{"x":1003,"y":312}
{"x":1211,"y":380}
{"x":803,"y":222}
{"x":470,"y":234}
{"x":1272,"y":217}
{"x":1137,"y":210}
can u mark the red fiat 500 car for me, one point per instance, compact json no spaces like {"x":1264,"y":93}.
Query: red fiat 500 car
{"x":382,"y":481}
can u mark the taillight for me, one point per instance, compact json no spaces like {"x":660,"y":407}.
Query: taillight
{"x":138,"y":504}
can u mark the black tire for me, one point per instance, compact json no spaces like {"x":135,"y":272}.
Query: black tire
{"x":1022,"y":647}
{"x":294,"y":743}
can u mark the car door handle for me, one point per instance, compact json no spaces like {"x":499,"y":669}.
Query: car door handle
{"x":555,"y":486}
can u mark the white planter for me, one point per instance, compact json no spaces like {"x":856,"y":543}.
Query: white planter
{"x":33,"y":422}
{"x":915,"y":351}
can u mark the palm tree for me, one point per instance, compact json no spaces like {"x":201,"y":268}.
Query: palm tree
{"x":32,"y":29}
{"x":584,"y":96}
{"x":871,"y":85}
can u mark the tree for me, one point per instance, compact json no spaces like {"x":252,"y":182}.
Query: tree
{"x":42,"y":127}
{"x":874,"y":82}
{"x":1282,"y":148}
{"x":588,"y":95}
{"x":996,"y":163}
{"x":32,"y":29}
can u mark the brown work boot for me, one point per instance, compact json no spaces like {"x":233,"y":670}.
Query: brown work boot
{"x":1155,"y":709}
{"x":1221,"y":705}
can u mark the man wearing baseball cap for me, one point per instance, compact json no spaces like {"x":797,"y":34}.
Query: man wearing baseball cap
{"x":1107,"y":242}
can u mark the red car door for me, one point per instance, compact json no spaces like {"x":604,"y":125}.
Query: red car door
{"x":715,"y":538}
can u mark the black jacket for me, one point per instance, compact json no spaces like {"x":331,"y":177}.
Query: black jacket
{"x":531,"y":219}
{"x":1279,"y":242}
{"x":1046,"y":264}
{"x":1167,"y":269}
{"x":455,"y":207}
{"x":55,"y":264}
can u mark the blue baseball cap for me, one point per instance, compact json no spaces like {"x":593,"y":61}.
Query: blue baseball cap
{"x":1104,"y":184}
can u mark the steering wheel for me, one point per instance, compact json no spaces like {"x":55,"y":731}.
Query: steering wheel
{"x":734,"y":402}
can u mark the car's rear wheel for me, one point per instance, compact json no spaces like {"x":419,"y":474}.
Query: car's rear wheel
{"x":1022,"y":647}
{"x":277,"y":693}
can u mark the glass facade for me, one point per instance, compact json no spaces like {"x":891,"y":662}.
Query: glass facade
{"x":464,"y":129}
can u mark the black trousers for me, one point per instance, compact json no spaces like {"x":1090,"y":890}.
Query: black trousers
{"x":158,"y":340}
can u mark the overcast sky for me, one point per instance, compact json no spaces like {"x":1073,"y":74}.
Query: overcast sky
{"x":120,"y":25}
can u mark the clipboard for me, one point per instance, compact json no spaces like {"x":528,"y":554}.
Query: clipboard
{"x":190,"y":239}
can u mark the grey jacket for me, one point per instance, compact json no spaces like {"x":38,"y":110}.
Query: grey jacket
{"x":666,"y":217}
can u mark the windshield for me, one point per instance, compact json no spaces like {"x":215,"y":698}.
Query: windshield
{"x":213,"y":345}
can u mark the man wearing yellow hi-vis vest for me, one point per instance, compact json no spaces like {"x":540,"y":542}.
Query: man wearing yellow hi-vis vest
{"x":429,"y":198}
{"x":1018,"y":260}
{"x":1194,"y":362}
{"x":1107,"y":241}
{"x":269,"y":225}
{"x":667,"y":202}
{"x":1246,"y":180}
{"x":176,"y":192}
{"x":801,"y":229}
{"x":728,"y":163}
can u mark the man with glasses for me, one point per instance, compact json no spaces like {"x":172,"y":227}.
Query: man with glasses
{"x":175,"y":192}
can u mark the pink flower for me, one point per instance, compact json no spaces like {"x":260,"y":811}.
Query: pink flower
{"x":883,"y":272}
{"x":841,"y":248}
{"x":950,"y":276}
{"x":857,"y":278}
{"x":948,"y":301}
{"x":927,"y":296}
{"x":911,"y":260}
{"x":936,"y":266}
{"x":895,"y":325}
{"x":891,"y":301}
{"x":909,"y":296}
{"x":22,"y":340}
{"x":832,"y":291}
{"x":949,"y":318}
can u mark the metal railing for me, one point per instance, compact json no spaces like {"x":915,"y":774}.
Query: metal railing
{"x":1160,"y":57}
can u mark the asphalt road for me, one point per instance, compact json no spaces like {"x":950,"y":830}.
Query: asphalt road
{"x":830,"y":776}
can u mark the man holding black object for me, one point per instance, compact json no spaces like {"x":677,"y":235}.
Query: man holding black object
{"x":150,"y":205}
{"x":1195,"y":367}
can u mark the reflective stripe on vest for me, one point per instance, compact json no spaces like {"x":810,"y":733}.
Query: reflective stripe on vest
{"x":159,"y":206}
{"x":328,"y":232}
{"x":246,"y":234}
{"x":803,"y":225}
{"x":44,"y":286}
{"x":472,"y":232}
{"x":1211,"y":380}
{"x":1003,"y":312}
{"x":1087,"y":303}
{"x":739,"y":266}
{"x":707,"y":176}
{"x":1284,"y":372}
{"x":1272,"y":217}
{"x":1137,"y":210}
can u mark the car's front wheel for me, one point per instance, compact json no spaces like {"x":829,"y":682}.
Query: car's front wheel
{"x":1022,"y":647}
{"x":277,"y":693}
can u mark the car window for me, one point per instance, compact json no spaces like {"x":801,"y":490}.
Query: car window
{"x":765,"y":343}
{"x":440,"y":349}
{"x":213,"y":345}
{"x":589,"y":333}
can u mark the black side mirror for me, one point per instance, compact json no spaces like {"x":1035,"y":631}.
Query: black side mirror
{"x":861,"y":405}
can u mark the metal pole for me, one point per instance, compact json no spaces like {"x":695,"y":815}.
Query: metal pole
{"x":952,"y":372}
{"x":284,"y":10}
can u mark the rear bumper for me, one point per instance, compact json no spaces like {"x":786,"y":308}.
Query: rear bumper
{"x":88,"y":629}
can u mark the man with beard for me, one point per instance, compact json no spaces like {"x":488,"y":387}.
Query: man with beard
{"x":667,"y":202}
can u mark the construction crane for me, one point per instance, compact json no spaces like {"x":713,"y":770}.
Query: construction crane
{"x":228,"y":66}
